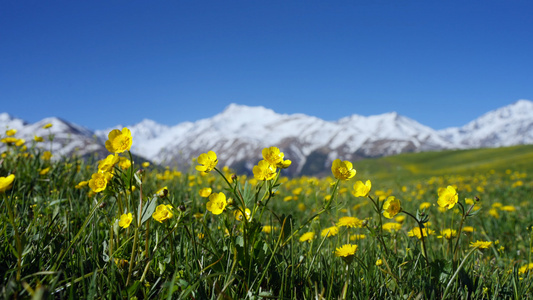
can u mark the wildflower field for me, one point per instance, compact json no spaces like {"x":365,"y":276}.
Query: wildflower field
{"x":415,"y":226}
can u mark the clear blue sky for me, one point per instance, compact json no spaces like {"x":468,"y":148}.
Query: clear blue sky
{"x":102,"y":63}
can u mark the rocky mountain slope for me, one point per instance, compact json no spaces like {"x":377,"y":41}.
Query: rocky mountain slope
{"x":239,"y":133}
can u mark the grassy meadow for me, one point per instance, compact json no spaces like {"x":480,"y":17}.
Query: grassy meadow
{"x":435,"y":225}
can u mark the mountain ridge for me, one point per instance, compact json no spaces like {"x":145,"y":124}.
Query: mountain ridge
{"x":239,"y":132}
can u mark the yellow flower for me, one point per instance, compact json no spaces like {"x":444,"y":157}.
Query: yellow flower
{"x":9,"y":140}
{"x":11,"y":132}
{"x":208,"y":161}
{"x":124,"y":163}
{"x":517,"y":183}
{"x":268,"y":228}
{"x":274,"y":157}
{"x":6,"y":183}
{"x":468,"y":229}
{"x":217,"y":203}
{"x":391,"y":207}
{"x":44,"y":171}
{"x":238,"y":214}
{"x":145,"y":164}
{"x":162,"y":192}
{"x":47,"y":155}
{"x":346,"y":252}
{"x":20,"y":142}
{"x":107,"y":164}
{"x":342,"y":169}
{"x":525,"y":268}
{"x":508,"y":208}
{"x":416,"y":232}
{"x":361,"y":189}
{"x":264,"y":171}
{"x":205,"y":192}
{"x":99,"y":181}
{"x":118,"y":141}
{"x":297,"y":191}
{"x":400,"y":219}
{"x":308,"y":236}
{"x":162,"y":212}
{"x":47,"y":126}
{"x":390,"y":226}
{"x":38,"y":139}
{"x":425,"y":205}
{"x":330,"y":231}
{"x":350,"y":222}
{"x":480,"y":244}
{"x":81,"y":184}
{"x":284,"y":164}
{"x":356,"y":237}
{"x":447,"y":197}
{"x":121,"y":263}
{"x":448,"y":234}
{"x":379,"y":262}
{"x":125,"y":220}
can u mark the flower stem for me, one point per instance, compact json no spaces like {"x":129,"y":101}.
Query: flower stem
{"x":17,"y":236}
{"x":380,"y":235}
{"x":421,"y":235}
{"x":457,"y":272}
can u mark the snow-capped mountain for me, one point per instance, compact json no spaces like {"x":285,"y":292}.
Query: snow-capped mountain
{"x":506,"y":126}
{"x":145,"y":132}
{"x":63,"y":138}
{"x":9,"y":122}
{"x":239,"y":133}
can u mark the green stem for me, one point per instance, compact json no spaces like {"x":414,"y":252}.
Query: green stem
{"x":380,"y":236}
{"x":17,"y":236}
{"x":133,"y":254}
{"x":457,"y":272}
{"x":332,"y":195}
{"x":421,"y":235}
{"x":459,"y":232}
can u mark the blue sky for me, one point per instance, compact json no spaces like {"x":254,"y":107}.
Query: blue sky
{"x":102,"y":63}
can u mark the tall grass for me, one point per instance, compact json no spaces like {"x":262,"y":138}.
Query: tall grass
{"x":60,"y":239}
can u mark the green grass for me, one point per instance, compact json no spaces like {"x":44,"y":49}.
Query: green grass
{"x":450,"y":162}
{"x":62,"y":241}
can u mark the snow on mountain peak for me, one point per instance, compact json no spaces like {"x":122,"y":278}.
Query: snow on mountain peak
{"x":148,"y":129}
{"x":9,"y":122}
{"x":239,"y":133}
{"x":505,"y":126}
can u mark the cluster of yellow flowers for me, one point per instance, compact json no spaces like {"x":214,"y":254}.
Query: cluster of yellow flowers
{"x":11,"y":140}
{"x":118,"y":142}
{"x":266,"y":169}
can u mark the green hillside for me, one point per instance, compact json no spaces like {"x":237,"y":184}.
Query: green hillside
{"x":450,"y":162}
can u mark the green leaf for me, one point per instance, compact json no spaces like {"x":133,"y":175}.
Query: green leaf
{"x":137,"y":178}
{"x":148,"y":209}
{"x":239,"y":241}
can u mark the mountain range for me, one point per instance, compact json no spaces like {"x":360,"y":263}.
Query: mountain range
{"x":239,"y":133}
